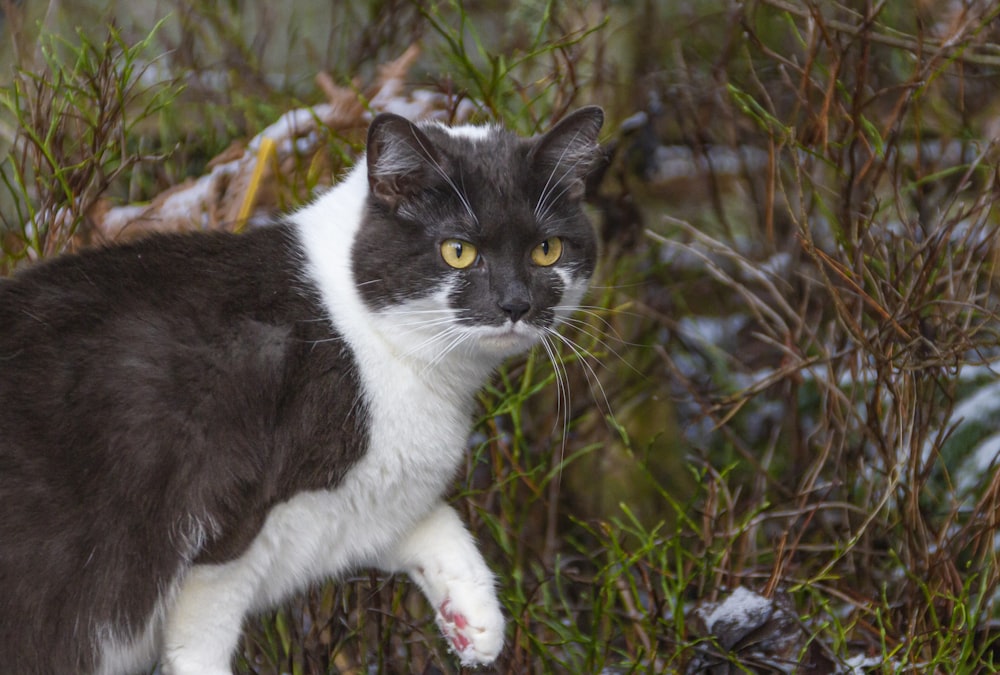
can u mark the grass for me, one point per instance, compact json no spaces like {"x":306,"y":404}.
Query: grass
{"x":774,"y":387}
{"x":76,"y":121}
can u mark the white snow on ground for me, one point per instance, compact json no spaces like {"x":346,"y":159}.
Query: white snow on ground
{"x":292,"y":124}
{"x":978,"y":464}
{"x":742,"y":606}
{"x":983,"y":406}
{"x":857,"y":664}
{"x":745,"y":608}
{"x":712,"y":331}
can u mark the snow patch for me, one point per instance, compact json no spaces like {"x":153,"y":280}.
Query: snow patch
{"x":740,"y":608}
{"x":857,"y":665}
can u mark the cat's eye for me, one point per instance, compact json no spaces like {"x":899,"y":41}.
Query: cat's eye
{"x":459,"y":254}
{"x":548,"y":252}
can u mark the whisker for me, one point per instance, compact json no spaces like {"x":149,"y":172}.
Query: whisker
{"x":424,"y":323}
{"x":600,"y":335}
{"x":431,"y":340}
{"x":598,"y":313}
{"x":461,"y":335}
{"x":584,"y":356}
{"x":441,"y":172}
{"x":556,"y":221}
{"x":398,"y":311}
{"x":594,"y":334}
{"x":618,"y":287}
{"x":545,"y":199}
{"x":551,"y":200}
{"x":563,"y":392}
{"x":563,"y":403}
{"x":335,"y":338}
{"x":566,"y":313}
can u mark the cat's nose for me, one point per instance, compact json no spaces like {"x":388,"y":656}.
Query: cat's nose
{"x":515,"y":308}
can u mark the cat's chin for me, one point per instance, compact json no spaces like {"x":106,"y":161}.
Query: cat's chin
{"x":508,"y":339}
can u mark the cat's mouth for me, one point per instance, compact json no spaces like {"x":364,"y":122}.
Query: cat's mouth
{"x":510,"y":336}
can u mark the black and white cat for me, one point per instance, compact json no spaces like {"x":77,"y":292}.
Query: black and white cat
{"x":195,"y":427}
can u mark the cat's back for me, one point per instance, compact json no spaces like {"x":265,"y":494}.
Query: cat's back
{"x":145,"y":390}
{"x":85,"y":336}
{"x":115,"y":352}
{"x":159,"y":273}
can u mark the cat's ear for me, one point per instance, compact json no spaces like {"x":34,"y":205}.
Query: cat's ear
{"x":569,"y":151}
{"x":401,"y":159}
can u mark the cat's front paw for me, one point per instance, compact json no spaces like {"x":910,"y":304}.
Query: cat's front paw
{"x":474,"y":630}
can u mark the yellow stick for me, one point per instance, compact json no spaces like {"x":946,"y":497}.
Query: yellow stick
{"x":264,"y":156}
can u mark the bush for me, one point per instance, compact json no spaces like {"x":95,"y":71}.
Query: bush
{"x":770,"y":443}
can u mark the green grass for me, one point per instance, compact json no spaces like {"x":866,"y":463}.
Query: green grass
{"x":810,"y":452}
{"x":76,"y":119}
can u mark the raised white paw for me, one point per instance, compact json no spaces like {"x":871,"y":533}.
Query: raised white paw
{"x":474,"y":631}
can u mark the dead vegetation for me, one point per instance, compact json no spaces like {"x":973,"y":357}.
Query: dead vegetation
{"x":787,"y":389}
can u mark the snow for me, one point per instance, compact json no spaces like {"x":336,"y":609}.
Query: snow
{"x":712,"y":331}
{"x":741,"y":607}
{"x":287,"y":129}
{"x":857,"y":664}
{"x":980,"y":406}
{"x":191,"y":203}
{"x":673,"y":162}
{"x":979,"y":463}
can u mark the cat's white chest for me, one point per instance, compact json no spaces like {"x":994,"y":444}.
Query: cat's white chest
{"x":418,"y":413}
{"x":417,"y":436}
{"x":417,"y":420}
{"x":416,"y":442}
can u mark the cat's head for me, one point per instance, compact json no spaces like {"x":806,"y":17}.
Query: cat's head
{"x":475,"y":238}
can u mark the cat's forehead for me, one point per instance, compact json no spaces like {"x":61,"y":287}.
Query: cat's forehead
{"x":486,"y":162}
{"x":486,"y":144}
{"x":472,"y":132}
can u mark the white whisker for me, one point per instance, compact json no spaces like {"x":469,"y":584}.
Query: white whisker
{"x":548,"y":181}
{"x":584,"y":356}
{"x":335,"y":338}
{"x":441,"y":172}
{"x":460,"y":336}
{"x":424,"y":323}
{"x":600,"y":335}
{"x":563,"y":391}
{"x":543,"y":206}
{"x":431,"y":340}
{"x":551,"y":200}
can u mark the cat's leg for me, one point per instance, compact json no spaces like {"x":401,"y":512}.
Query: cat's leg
{"x":441,"y":557}
{"x":203,"y":626}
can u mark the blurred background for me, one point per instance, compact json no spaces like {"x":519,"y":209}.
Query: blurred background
{"x":771,"y":442}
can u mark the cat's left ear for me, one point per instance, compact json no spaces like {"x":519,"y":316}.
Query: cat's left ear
{"x":401,"y":159}
{"x":569,"y":151}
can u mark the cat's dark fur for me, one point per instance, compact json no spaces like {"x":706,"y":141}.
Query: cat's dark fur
{"x":159,"y":400}
{"x":207,"y":391}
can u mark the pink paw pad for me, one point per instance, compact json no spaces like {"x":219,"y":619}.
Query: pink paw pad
{"x":452,"y":624}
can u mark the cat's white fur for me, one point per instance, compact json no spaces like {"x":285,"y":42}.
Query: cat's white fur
{"x":387,"y":511}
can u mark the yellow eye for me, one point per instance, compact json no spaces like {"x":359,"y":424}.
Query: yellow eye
{"x":457,"y":253}
{"x":548,"y":252}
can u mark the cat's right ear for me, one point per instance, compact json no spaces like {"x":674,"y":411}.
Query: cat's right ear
{"x":569,"y":151}
{"x":401,"y":159}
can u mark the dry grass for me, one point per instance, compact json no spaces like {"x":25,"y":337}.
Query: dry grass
{"x":775,"y":385}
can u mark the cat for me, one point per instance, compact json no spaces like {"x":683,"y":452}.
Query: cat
{"x":193,"y":427}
